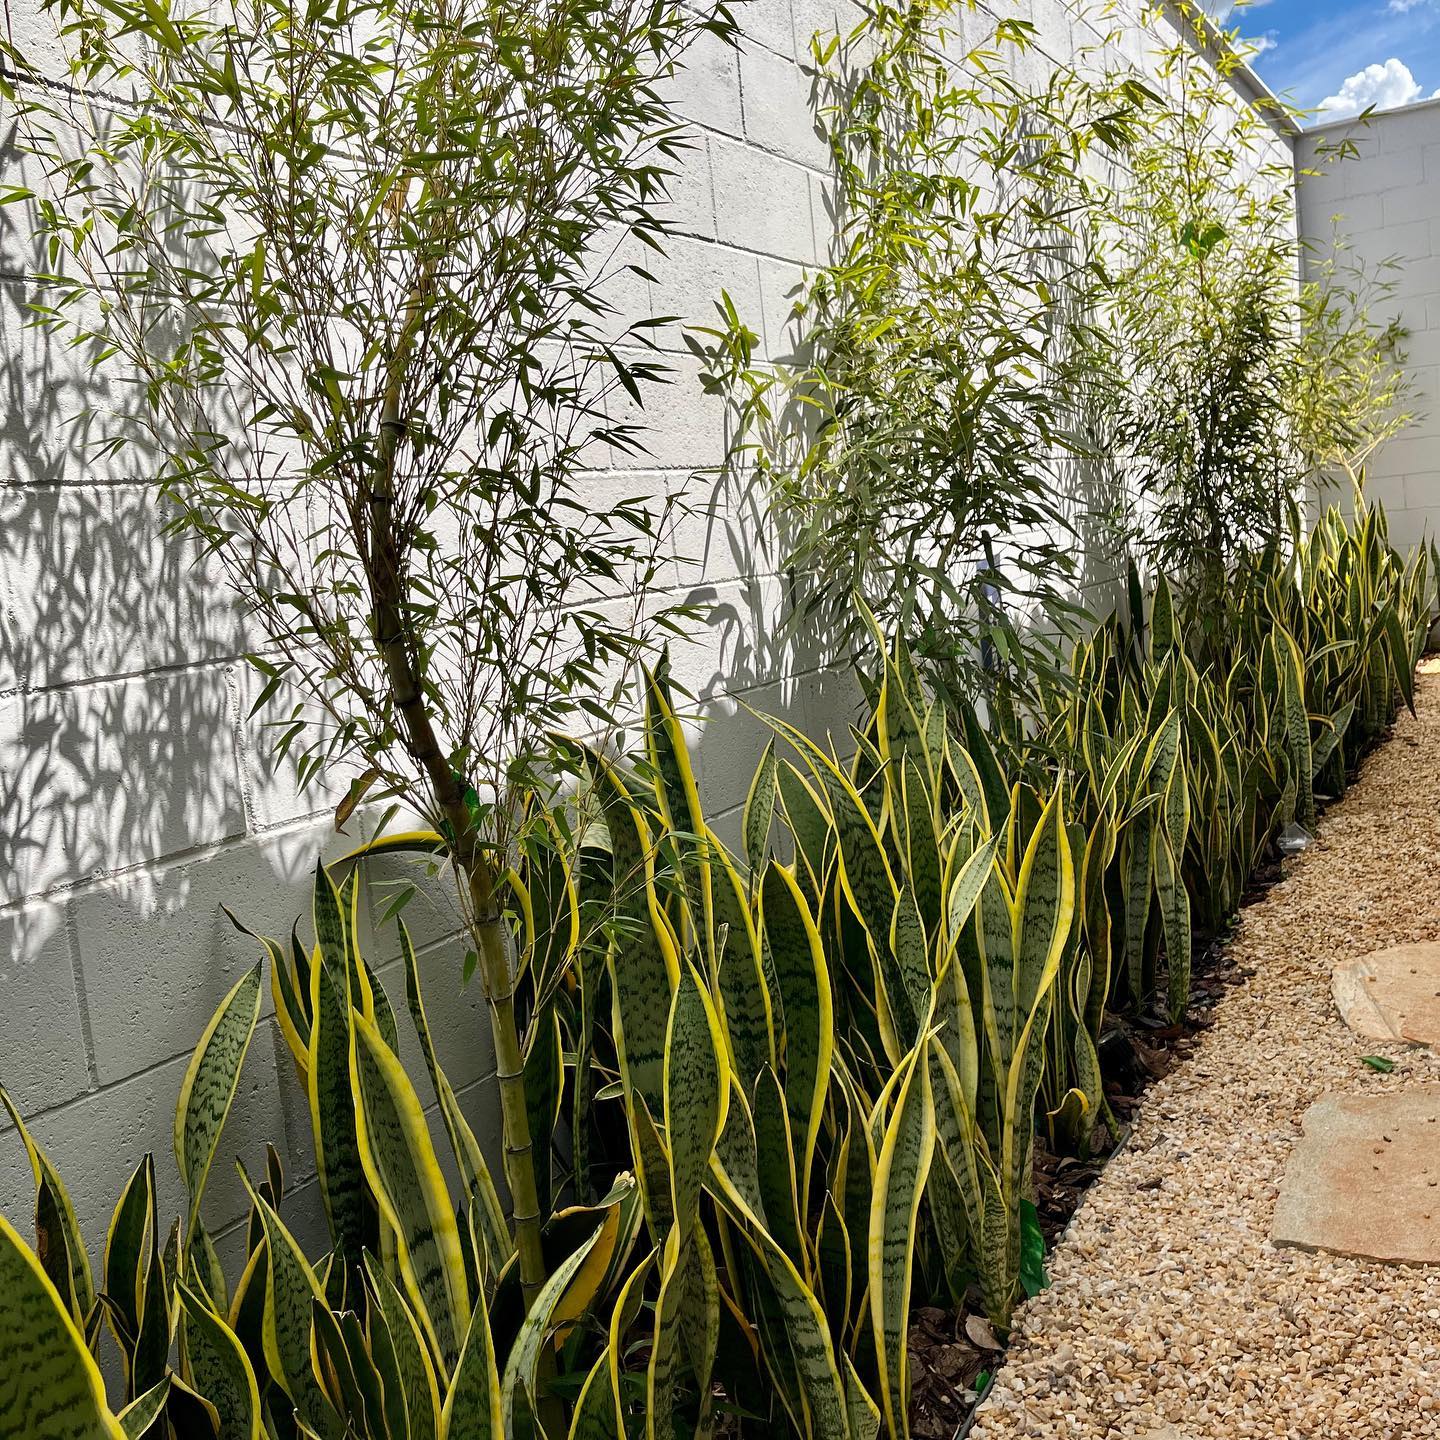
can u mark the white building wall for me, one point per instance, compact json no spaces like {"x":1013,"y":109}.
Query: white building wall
{"x":1385,"y":203}
{"x":135,"y":795}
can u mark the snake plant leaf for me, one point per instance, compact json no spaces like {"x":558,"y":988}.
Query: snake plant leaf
{"x":288,"y":995}
{"x":662,"y":1368}
{"x":594,"y":1417}
{"x":473,"y":1403}
{"x":748,"y":1024}
{"x":865,"y":873}
{"x":808,"y":1333}
{"x":65,"y":1259}
{"x":900,"y":1177}
{"x":409,"y":1187}
{"x":1162,"y":621}
{"x":1401,"y":657}
{"x":699,"y":1325}
{"x":619,"y":1216}
{"x":643,"y":961}
{"x":521,"y":1376}
{"x":131,"y":1234}
{"x":862,"y":1411}
{"x":220,"y":1369}
{"x":211,"y":1080}
{"x":809,"y":827}
{"x":1175,"y":916}
{"x":779,"y":1188}
{"x":331,"y":1361}
{"x":333,"y":1115}
{"x":468,"y":1155}
{"x":697,"y":1092}
{"x":760,"y":810}
{"x":416,"y":1369}
{"x":1138,"y":848}
{"x":291,"y":1287}
{"x":381,"y":1346}
{"x":50,"y":1387}
{"x":1044,"y":904}
{"x":143,"y":1411}
{"x":802,"y":977}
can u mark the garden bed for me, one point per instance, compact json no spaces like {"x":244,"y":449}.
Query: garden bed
{"x":956,"y":1361}
{"x":1170,"y":1305}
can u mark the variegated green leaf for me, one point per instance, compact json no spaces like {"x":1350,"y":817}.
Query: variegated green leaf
{"x":50,"y":1388}
{"x":211,"y":1080}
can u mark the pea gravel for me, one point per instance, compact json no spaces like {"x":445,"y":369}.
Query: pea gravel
{"x":1171,"y":1313}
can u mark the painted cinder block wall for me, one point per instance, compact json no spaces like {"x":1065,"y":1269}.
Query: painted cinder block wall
{"x":1384,"y":203}
{"x":136,"y":797}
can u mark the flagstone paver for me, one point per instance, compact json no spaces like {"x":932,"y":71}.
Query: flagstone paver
{"x":1391,"y":994}
{"x":1171,"y":1303}
{"x":1364,"y":1178}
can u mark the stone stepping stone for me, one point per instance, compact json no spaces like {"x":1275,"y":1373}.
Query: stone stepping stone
{"x":1391,"y":995}
{"x":1364,"y":1178}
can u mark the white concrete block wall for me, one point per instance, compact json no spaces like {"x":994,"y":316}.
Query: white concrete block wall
{"x":136,"y":797}
{"x":1385,"y":202}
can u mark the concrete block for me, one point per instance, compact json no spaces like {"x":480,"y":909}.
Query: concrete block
{"x":158,"y":954}
{"x":43,"y":1052}
{"x":104,"y":777}
{"x":98,"y":591}
{"x":271,"y":781}
{"x":1401,"y":207}
{"x":691,"y":206}
{"x":780,"y":108}
{"x":707,"y":89}
{"x":763,"y":202}
{"x":679,"y":426}
{"x":1407,"y":127}
{"x":782,"y":285}
{"x":823,"y":18}
{"x":689,"y":278}
{"x":768,"y":23}
{"x":733,"y":736}
{"x":1422,"y":492}
{"x":58,"y":404}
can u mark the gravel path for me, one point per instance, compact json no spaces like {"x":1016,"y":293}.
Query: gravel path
{"x":1171,"y":1314}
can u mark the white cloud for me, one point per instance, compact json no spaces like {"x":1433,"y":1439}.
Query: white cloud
{"x":1383,"y":86}
{"x":1404,"y":7}
{"x":1261,"y":44}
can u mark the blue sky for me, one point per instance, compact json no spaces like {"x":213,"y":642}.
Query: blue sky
{"x":1350,"y":52}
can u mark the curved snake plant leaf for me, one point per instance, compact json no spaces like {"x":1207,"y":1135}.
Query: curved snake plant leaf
{"x":142,"y":1412}
{"x":211,"y":1080}
{"x":291,"y":1288}
{"x":409,"y":1187}
{"x":748,"y":1018}
{"x":333,"y":1115}
{"x":219,"y":1368}
{"x":468,"y":1155}
{"x":66,"y":1261}
{"x":803,"y":980}
{"x":759,"y":810}
{"x":412,"y":1355}
{"x":594,"y":1417}
{"x":472,"y":1406}
{"x":522,"y":1366}
{"x":697,"y":1092}
{"x":50,"y":1387}
{"x":895,"y":1208}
